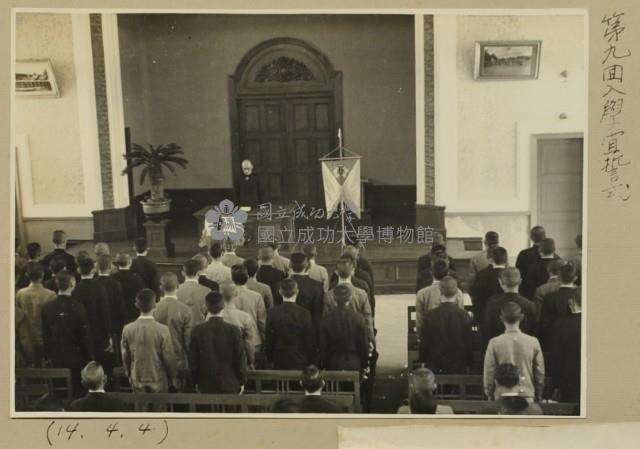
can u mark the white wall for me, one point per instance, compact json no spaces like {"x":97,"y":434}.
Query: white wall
{"x":483,"y":169}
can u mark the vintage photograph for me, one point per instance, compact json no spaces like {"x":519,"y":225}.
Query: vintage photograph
{"x":299,"y":214}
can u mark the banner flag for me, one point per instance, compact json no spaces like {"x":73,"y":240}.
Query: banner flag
{"x":341,"y":180}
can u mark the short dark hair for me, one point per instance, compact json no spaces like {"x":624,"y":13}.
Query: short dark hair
{"x":239,"y":274}
{"x":310,"y":250}
{"x":511,"y":312}
{"x":311,"y":379}
{"x":251,"y":264}
{"x":440,"y":268}
{"x":215,"y":250}
{"x":85,"y":265}
{"x":191,"y":267}
{"x":57,"y":264}
{"x":499,"y":255}
{"x":507,"y":375}
{"x":297,"y":261}
{"x":537,"y":234}
{"x":423,"y":402}
{"x":58,"y":236}
{"x":438,"y":249}
{"x":347,"y":257}
{"x":554,"y":267}
{"x":146,"y":298}
{"x":64,"y":279}
{"x":547,"y":246}
{"x":141,"y":244}
{"x":288,"y":286}
{"x":214,"y":302}
{"x":33,"y":250}
{"x":35,"y":271}
{"x":567,"y":273}
{"x":491,"y":238}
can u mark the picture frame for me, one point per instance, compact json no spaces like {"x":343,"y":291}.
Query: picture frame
{"x":35,"y":78}
{"x":507,"y":60}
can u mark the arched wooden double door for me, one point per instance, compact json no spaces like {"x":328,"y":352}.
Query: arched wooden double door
{"x":285,"y":114}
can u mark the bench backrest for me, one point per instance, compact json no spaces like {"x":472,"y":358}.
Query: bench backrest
{"x":57,"y":380}
{"x":468,"y":407}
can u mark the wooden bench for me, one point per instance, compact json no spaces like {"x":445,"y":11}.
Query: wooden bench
{"x":463,"y":386}
{"x":32,"y":381}
{"x":470,"y":407}
{"x":215,"y":403}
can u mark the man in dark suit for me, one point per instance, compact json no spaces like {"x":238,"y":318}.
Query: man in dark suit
{"x":145,"y":267}
{"x":426,"y":260}
{"x":310,"y":292}
{"x":343,"y":335}
{"x":268,"y":274}
{"x":34,"y":252}
{"x":362,"y":274}
{"x":445,"y":344}
{"x":65,"y":331}
{"x":115,"y":297}
{"x":565,"y":352}
{"x":358,"y":278}
{"x":249,"y":188}
{"x":555,"y":305}
{"x":290,"y":331}
{"x":313,"y":402}
{"x":92,"y":295}
{"x":486,"y":283}
{"x":131,"y":284}
{"x":425,"y":265}
{"x":59,"y":240}
{"x":538,"y":272}
{"x":492,"y":325}
{"x":216,"y":354}
{"x":529,"y":256}
{"x":96,"y":400}
{"x":57,"y":265}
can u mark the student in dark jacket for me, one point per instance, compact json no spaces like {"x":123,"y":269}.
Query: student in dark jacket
{"x":486,"y":283}
{"x":358,"y":273}
{"x":96,"y":400}
{"x":310,"y":292}
{"x":538,"y":272}
{"x":445,"y":345}
{"x":425,"y":265}
{"x":565,"y":352}
{"x":268,"y":274}
{"x":555,"y":305}
{"x":57,"y":265}
{"x":131,"y":284}
{"x":65,"y":331}
{"x":290,"y":331}
{"x":343,"y":335}
{"x":529,"y":256}
{"x":59,"y":240}
{"x":492,"y":325}
{"x":313,"y":402}
{"x":145,"y":267}
{"x":216,"y":354}
{"x":34,"y":253}
{"x":92,"y":295}
{"x":115,"y":296}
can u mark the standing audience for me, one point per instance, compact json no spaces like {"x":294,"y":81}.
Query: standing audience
{"x":145,"y":267}
{"x":131,"y":284}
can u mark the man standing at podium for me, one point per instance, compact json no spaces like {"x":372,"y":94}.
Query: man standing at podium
{"x":249,"y":190}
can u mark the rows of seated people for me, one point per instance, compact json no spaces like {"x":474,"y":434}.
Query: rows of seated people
{"x":203,"y":327}
{"x":521,"y":313}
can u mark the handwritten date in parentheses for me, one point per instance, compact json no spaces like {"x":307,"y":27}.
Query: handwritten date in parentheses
{"x":61,"y":433}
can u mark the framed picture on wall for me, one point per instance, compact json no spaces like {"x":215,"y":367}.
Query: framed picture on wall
{"x":36,"y":78}
{"x":507,"y":60}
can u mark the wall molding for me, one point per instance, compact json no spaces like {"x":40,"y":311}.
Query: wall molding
{"x":420,"y":69}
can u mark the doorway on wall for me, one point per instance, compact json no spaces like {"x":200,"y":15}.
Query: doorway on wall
{"x":286,"y":109}
{"x":559,"y":193}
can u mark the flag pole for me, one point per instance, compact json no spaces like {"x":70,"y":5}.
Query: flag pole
{"x":343,"y":240}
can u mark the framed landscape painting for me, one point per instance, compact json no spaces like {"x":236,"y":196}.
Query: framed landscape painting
{"x":36,"y":78}
{"x":507,"y":60}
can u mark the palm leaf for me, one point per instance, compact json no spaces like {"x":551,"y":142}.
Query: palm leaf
{"x":143,"y":174}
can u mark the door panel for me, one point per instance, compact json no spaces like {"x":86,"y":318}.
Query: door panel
{"x":560,"y":191}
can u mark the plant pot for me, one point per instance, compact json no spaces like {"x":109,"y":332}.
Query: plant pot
{"x":157,"y":189}
{"x":156,"y":209}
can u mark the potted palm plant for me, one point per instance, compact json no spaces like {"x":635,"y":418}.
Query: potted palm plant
{"x":153,"y":161}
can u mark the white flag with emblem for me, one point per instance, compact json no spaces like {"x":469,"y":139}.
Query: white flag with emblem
{"x":341,"y":180}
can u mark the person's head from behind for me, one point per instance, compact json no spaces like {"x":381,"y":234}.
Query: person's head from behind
{"x":351,"y":250}
{"x":146,"y":300}
{"x":34,"y":250}
{"x":140,"y":245}
{"x":85,"y":266}
{"x":342,"y":295}
{"x":216,"y":251}
{"x":298,"y":262}
{"x":510,"y":279}
{"x":122,"y":261}
{"x":202,"y":260}
{"x":311,"y":379}
{"x":191,"y":269}
{"x":440,"y":269}
{"x":289,"y":289}
{"x":65,"y":281}
{"x":575,"y":301}
{"x":438,"y":252}
{"x":59,"y":238}
{"x":169,"y":283}
{"x":567,"y":273}
{"x":228,"y":290}
{"x":57,"y":265}
{"x":448,"y":287}
{"x":498,"y":256}
{"x":239,"y":274}
{"x":345,"y":266}
{"x":422,"y":403}
{"x":101,"y":249}
{"x":310,"y":251}
{"x":554,"y":267}
{"x":547,"y":247}
{"x":214,"y":303}
{"x":93,"y":376}
{"x":537,"y":234}
{"x":251,"y":264}
{"x":579,"y":241}
{"x":491,"y":239}
{"x":511,"y":314}
{"x":82,"y":255}
{"x":247,"y":167}
{"x":266,"y":253}
{"x":35,"y":272}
